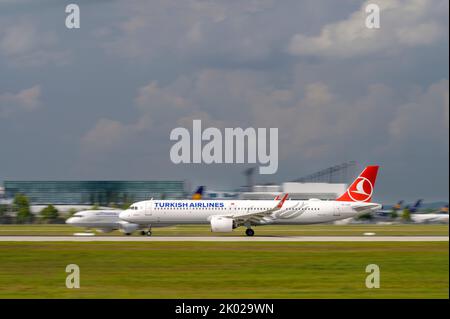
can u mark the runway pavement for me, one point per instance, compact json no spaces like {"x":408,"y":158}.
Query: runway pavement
{"x":223,"y":239}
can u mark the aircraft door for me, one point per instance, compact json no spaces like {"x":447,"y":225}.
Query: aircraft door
{"x":149,"y":209}
{"x":337,"y":210}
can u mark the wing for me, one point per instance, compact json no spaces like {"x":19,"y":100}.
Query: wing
{"x":257,"y":217}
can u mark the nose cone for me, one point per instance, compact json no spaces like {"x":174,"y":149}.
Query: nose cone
{"x":125,"y":215}
{"x":70,"y":220}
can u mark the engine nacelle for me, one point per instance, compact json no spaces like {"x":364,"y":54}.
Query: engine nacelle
{"x":128,"y":228}
{"x":222,"y":224}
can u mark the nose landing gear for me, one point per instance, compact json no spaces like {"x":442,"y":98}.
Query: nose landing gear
{"x":249,"y":232}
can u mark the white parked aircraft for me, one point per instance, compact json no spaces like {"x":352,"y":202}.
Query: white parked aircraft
{"x":226,"y":215}
{"x":104,"y":221}
{"x":425,"y":218}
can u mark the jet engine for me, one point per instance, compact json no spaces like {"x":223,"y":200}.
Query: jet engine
{"x":222,"y":224}
{"x":128,"y":228}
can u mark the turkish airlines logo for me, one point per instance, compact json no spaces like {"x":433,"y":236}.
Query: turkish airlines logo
{"x":361,"y":190}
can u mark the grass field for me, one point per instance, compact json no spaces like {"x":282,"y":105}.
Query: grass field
{"x":204,"y":230}
{"x":224,"y":270}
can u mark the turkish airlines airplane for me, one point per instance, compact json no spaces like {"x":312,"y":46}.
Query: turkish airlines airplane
{"x":226,"y":215}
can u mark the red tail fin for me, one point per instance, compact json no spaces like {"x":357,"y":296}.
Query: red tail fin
{"x":362,"y":188}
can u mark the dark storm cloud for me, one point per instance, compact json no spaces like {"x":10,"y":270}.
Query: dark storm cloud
{"x":100,"y":102}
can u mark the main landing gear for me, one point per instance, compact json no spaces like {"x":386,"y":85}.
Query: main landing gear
{"x":147,"y":232}
{"x":249,"y":232}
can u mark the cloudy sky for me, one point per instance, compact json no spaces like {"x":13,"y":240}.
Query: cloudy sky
{"x":99,"y":102}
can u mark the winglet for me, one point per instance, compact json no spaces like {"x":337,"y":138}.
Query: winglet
{"x":277,"y":198}
{"x":280,"y":204}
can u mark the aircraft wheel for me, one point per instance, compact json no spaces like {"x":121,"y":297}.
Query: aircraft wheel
{"x":143,"y":233}
{"x":249,"y":232}
{"x":128,"y":234}
{"x":149,"y":233}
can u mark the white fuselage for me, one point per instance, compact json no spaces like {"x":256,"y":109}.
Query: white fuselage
{"x":102,"y":220}
{"x":169,"y":212}
{"x":430,"y":218}
{"x":96,"y":219}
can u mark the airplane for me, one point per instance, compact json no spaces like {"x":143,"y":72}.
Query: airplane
{"x":440,"y":217}
{"x":226,"y":215}
{"x":106,"y":221}
{"x":388,"y":212}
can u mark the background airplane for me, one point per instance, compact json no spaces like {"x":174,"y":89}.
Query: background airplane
{"x":106,"y":221}
{"x":439,"y":217}
{"x":387,"y":213}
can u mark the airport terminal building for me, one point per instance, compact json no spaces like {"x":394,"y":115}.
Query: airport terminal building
{"x":93,"y":192}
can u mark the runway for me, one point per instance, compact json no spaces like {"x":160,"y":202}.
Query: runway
{"x":224,"y":239}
